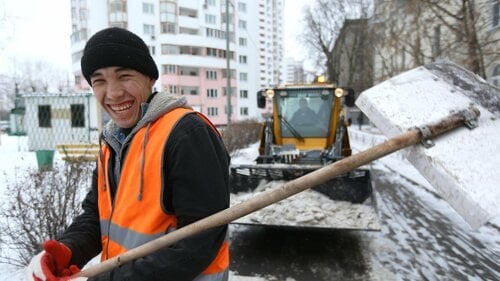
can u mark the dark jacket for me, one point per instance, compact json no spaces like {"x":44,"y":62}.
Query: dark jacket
{"x":197,"y":165}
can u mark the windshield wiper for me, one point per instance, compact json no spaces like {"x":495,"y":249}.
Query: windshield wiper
{"x":295,"y":133}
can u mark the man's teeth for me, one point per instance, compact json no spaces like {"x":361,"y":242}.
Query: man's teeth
{"x":121,"y":107}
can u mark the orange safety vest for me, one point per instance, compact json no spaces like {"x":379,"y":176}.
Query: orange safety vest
{"x":130,"y":221}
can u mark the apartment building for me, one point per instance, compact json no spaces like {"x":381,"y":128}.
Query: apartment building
{"x":294,"y":71}
{"x":188,"y":41}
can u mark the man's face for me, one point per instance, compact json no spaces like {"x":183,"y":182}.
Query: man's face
{"x":120,"y":91}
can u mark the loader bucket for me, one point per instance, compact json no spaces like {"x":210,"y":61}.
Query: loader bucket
{"x":354,"y":187}
{"x":345,"y":202}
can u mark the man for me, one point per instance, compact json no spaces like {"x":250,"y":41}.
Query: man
{"x":161,"y":166}
{"x":304,"y":115}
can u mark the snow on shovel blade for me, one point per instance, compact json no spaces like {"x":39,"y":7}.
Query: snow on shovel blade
{"x":462,"y":165}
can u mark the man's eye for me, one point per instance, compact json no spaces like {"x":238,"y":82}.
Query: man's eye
{"x":125,"y":76}
{"x":97,"y":82}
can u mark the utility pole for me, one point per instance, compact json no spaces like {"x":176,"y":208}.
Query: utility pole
{"x":228,"y":68}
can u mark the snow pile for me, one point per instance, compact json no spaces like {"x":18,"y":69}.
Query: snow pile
{"x":310,"y":209}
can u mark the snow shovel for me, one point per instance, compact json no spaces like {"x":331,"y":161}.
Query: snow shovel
{"x":468,"y":115}
{"x":463,"y":168}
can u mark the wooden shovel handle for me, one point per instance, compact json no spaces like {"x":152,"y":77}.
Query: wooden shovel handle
{"x":288,"y":189}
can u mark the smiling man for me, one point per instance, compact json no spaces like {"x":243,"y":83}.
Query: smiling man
{"x":161,"y":166}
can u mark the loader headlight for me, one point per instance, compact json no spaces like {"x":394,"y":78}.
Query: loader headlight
{"x":339,"y":92}
{"x":270,"y":93}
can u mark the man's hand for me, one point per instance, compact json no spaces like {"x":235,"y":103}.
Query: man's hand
{"x":52,"y":264}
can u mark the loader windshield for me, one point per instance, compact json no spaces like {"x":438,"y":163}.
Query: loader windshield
{"x":305,"y":110}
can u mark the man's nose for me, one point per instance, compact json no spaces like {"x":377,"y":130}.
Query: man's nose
{"x":115,"y":89}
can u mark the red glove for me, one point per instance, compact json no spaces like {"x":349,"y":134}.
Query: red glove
{"x":52,"y":264}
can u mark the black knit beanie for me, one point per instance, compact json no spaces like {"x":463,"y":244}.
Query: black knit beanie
{"x":117,"y":47}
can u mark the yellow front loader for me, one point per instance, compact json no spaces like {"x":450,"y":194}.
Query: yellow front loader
{"x":307,"y":130}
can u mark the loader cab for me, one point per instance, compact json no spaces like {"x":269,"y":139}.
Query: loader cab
{"x":306,"y":116}
{"x":304,"y":111}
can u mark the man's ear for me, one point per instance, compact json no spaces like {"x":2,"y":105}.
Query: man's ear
{"x":152,"y":83}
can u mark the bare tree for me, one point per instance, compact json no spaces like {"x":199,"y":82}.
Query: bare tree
{"x":398,"y":29}
{"x":469,"y":22}
{"x":38,"y":76}
{"x":353,"y":55}
{"x":325,"y":21}
{"x":416,"y":32}
{"x":6,"y":96}
{"x":40,"y":207}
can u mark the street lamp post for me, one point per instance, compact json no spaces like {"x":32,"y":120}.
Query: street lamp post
{"x":228,"y":69}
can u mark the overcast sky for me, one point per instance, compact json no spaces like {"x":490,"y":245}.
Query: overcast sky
{"x":38,"y":30}
{"x":35,"y":30}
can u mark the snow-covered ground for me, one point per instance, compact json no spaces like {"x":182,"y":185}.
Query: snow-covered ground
{"x":16,"y":159}
{"x":412,"y":244}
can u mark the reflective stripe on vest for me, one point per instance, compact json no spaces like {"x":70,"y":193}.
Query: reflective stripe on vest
{"x":129,"y":239}
{"x":136,"y":215}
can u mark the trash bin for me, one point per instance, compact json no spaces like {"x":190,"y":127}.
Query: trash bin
{"x":45,"y":159}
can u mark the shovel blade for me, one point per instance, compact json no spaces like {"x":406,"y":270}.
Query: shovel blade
{"x":462,"y":165}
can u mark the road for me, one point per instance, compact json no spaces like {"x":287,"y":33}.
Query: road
{"x":421,"y":239}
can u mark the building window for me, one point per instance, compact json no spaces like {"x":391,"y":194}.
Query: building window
{"x":188,"y":71}
{"x":210,"y":19}
{"x":244,"y":111}
{"x":495,"y":77}
{"x":186,"y":12}
{"x":44,"y":116}
{"x":210,"y":2}
{"x":171,"y":89}
{"x":496,"y":14}
{"x":211,"y":52}
{"x":148,"y":8}
{"x":186,"y":30}
{"x":242,"y":24}
{"x":148,"y":29}
{"x":243,"y":76}
{"x":189,"y":90}
{"x":169,"y":69}
{"x":211,"y":75}
{"x":189,"y":50}
{"x":244,"y":94}
{"x":168,"y":16}
{"x":243,"y":59}
{"x":212,"y":111}
{"x":77,"y":115}
{"x":224,"y":73}
{"x":117,"y":6}
{"x":225,"y":109}
{"x":212,"y":93}
{"x":242,"y":41}
{"x":242,"y":7}
{"x":233,"y":91}
{"x":436,"y":46}
{"x":117,"y":13}
{"x":83,"y":14}
{"x":216,"y":33}
{"x":167,"y":49}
